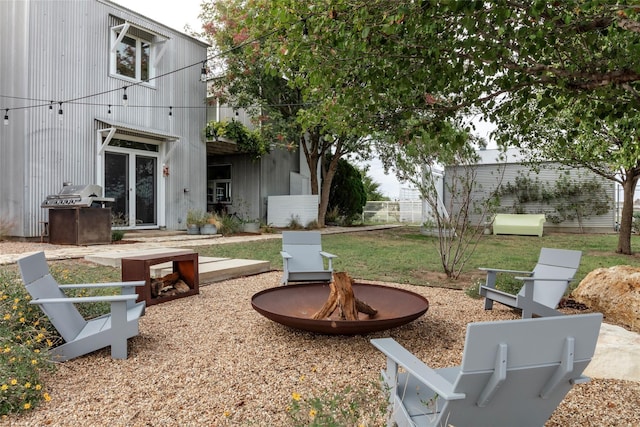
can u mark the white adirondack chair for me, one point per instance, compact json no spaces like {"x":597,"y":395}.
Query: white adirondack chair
{"x":303,"y":259}
{"x":513,"y":373}
{"x":543,"y":287}
{"x":82,"y":336}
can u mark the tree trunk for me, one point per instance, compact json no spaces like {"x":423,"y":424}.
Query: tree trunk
{"x":342,"y":298}
{"x":626,"y":217}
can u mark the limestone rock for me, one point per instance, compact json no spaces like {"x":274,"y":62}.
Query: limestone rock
{"x":615,"y":292}
{"x":617,"y":355}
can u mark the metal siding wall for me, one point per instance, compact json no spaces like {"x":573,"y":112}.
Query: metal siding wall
{"x":489,"y":176}
{"x":14,"y":50}
{"x":68,"y":58}
{"x":275,"y":176}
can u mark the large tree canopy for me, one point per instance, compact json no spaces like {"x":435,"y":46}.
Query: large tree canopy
{"x":396,"y":67}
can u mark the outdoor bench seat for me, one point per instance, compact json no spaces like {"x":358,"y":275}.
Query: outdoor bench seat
{"x":521,"y":224}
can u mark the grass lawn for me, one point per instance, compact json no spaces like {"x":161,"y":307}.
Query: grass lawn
{"x":403,"y":255}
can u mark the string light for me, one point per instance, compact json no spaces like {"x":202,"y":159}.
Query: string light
{"x":124,"y":88}
{"x":109,"y":110}
{"x":6,"y":116}
{"x":170,"y":112}
{"x":203,"y":71}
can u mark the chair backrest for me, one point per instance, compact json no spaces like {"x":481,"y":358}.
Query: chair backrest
{"x":517,"y":372}
{"x":40,"y":284}
{"x":305,"y":248}
{"x":553,"y":264}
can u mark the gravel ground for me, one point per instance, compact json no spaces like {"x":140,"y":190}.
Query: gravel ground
{"x":211,"y":360}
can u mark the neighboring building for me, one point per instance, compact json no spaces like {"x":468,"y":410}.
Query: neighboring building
{"x":495,"y":169}
{"x":81,"y":57}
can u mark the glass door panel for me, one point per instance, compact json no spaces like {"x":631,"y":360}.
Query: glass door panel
{"x":116,"y":185}
{"x":145,"y":190}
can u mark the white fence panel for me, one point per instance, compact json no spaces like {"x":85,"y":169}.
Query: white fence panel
{"x":282,"y":209}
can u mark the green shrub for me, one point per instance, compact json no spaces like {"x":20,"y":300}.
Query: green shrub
{"x":117,"y":235}
{"x":229,"y":224}
{"x":349,"y":407}
{"x":294,"y":223}
{"x":25,"y":337}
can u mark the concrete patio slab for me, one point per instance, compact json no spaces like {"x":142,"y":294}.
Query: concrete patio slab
{"x":113,"y":258}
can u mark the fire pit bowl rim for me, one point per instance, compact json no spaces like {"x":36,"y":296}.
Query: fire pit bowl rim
{"x":268,"y":303}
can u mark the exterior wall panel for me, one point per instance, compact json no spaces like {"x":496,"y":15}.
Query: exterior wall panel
{"x":65,"y":57}
{"x":489,"y":176}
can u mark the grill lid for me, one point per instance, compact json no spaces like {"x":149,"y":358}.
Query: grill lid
{"x":71,"y":196}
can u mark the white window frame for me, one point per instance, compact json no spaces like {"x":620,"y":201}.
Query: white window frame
{"x":157,"y":47}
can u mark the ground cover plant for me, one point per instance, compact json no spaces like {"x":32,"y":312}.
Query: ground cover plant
{"x":400,"y":255}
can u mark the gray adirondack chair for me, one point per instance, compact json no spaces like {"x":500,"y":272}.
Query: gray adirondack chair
{"x":303,"y":259}
{"x":513,"y":373}
{"x":82,"y":336}
{"x":543,"y":287}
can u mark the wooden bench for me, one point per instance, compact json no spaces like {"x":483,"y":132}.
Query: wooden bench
{"x":521,"y":224}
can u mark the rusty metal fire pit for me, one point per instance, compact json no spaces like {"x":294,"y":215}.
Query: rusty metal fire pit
{"x":294,"y":305}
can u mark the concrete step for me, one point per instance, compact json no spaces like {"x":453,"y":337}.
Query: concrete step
{"x":113,"y":258}
{"x":165,"y":268}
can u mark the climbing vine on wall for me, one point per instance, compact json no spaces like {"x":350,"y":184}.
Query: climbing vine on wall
{"x":568,"y":199}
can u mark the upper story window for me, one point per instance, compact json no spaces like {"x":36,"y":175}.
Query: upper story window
{"x":135,"y":52}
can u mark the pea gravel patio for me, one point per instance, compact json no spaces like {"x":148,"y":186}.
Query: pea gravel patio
{"x":211,"y":360}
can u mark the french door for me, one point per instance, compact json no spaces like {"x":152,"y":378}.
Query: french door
{"x":132,"y":180}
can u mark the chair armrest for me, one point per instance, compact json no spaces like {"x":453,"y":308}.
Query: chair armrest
{"x":328,"y":255}
{"x":417,"y":368}
{"x":103,"y":285}
{"x":111,"y":298}
{"x":285,"y":255}
{"x":497,"y":270}
{"x":543,"y":279}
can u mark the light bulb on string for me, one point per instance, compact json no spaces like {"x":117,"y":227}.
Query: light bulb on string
{"x":6,"y":116}
{"x":170,"y":112}
{"x":60,"y":113}
{"x":125,"y":99}
{"x":50,"y":107}
{"x":203,"y":71}
{"x":109,"y":110}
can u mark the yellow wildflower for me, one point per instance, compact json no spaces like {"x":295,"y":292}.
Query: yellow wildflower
{"x":27,"y":405}
{"x":38,"y":386}
{"x":34,"y":362}
{"x":312,"y":413}
{"x":295,"y":396}
{"x":46,"y":397}
{"x":27,"y":385}
{"x":22,"y":320}
{"x":7,"y":316}
{"x":14,"y":381}
{"x":4,"y":387}
{"x":301,"y":377}
{"x":227,"y":413}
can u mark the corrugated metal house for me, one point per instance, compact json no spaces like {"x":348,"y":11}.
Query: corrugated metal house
{"x":495,"y":169}
{"x":65,"y":69}
{"x":241,"y":184}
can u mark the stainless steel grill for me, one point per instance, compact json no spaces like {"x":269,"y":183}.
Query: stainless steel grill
{"x":76,"y":196}
{"x":74,"y":219}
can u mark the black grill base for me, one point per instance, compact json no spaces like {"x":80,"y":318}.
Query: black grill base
{"x":80,"y":226}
